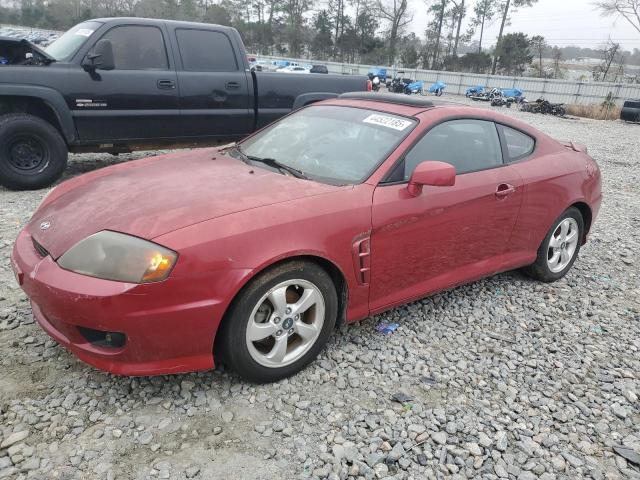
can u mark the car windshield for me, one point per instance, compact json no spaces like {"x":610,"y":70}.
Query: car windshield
{"x":331,"y":144}
{"x":68,"y":44}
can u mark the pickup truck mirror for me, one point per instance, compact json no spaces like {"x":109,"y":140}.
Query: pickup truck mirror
{"x":100,"y":57}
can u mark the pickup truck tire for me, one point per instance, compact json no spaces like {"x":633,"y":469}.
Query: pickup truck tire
{"x":33,"y":154}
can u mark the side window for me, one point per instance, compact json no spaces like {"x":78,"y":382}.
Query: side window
{"x":205,"y":51}
{"x":137,"y":47}
{"x":519,"y":145}
{"x":469,"y":145}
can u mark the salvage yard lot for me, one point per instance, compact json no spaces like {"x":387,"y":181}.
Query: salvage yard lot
{"x":504,"y":378}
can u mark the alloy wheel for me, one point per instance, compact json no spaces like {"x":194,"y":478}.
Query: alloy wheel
{"x":285,"y":323}
{"x":563,"y":245}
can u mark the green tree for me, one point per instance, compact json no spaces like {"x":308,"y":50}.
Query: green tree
{"x":539,"y":45}
{"x":459,"y":12}
{"x":294,"y":12}
{"x":217,"y":14}
{"x":409,"y":57}
{"x":322,"y":43}
{"x":483,"y":12}
{"x":396,"y":13}
{"x":475,"y":62}
{"x":513,"y":53}
{"x":505,"y":10}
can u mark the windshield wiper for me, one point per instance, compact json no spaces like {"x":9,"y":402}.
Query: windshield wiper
{"x":272,"y":162}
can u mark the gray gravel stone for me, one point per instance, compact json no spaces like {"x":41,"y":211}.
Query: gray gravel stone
{"x":508,"y":378}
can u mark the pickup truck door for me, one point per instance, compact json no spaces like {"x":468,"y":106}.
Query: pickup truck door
{"x":136,"y":100}
{"x":216,"y":94}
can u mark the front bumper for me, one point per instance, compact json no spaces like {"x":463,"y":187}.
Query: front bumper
{"x":169,"y":326}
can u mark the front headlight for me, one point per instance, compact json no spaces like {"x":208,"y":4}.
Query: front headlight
{"x":116,"y":256}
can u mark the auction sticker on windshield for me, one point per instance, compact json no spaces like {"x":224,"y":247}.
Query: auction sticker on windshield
{"x":386,"y":121}
{"x":84,"y":32}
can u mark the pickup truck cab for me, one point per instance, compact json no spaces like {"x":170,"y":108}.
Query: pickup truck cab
{"x":120,"y":84}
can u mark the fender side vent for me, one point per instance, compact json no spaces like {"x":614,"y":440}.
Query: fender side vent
{"x":362,"y":260}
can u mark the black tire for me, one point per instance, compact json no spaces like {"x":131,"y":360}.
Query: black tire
{"x":540,"y":269}
{"x":33,"y":154}
{"x":231,"y":342}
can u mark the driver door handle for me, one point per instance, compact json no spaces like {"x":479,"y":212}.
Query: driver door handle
{"x":166,"y":84}
{"x":504,"y":190}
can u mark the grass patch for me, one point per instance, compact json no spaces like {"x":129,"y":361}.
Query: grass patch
{"x":595,"y":111}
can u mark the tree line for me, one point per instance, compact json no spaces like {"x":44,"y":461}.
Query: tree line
{"x":355,"y":31}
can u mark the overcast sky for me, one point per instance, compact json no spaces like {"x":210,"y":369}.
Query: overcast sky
{"x":561,"y":22}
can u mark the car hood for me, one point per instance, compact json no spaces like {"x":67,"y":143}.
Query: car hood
{"x":154,"y":196}
{"x":20,"y":46}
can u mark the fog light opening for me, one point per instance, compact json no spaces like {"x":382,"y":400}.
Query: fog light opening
{"x":103,"y":339}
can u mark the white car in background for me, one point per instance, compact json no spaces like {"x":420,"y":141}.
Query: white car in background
{"x":294,"y":69}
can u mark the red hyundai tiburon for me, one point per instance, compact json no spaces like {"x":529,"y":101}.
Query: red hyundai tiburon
{"x":253,"y":254}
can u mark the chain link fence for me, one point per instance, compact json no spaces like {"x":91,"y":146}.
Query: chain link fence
{"x":557,"y":91}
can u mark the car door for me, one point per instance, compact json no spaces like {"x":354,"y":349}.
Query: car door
{"x":214,"y":88}
{"x":136,"y":100}
{"x":445,"y":235}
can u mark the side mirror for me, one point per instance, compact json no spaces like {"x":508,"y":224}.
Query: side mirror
{"x":435,"y":174}
{"x":100,"y":57}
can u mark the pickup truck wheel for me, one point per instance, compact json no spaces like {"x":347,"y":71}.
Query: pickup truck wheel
{"x":33,"y":154}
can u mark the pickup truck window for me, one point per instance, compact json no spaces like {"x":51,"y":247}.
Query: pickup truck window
{"x":205,"y":51}
{"x":137,"y":47}
{"x":68,"y":44}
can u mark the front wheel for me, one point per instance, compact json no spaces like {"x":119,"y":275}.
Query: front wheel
{"x":280,"y":322}
{"x":33,"y":154}
{"x":560,"y":247}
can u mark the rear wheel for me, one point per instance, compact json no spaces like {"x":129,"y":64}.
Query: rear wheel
{"x":560,"y":247}
{"x":280,"y":322}
{"x":33,"y":154}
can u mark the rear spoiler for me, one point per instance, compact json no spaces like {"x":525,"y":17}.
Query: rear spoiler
{"x":576,"y":147}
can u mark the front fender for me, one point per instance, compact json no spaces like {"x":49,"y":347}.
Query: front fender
{"x":52,"y":98}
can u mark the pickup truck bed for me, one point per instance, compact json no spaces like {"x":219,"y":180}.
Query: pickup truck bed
{"x":118,"y":84}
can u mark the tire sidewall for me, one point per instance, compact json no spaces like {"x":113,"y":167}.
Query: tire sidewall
{"x":48,"y":136}
{"x":541,"y":264}
{"x":232,"y":344}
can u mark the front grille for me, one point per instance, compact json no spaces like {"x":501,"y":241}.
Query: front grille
{"x":39,"y":248}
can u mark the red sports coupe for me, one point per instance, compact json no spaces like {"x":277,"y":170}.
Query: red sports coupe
{"x":252,"y":254}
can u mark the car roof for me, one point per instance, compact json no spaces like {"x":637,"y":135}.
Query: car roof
{"x":409,"y":106}
{"x":395,"y":103}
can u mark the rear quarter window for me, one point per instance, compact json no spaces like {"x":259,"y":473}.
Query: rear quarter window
{"x":518,"y":144}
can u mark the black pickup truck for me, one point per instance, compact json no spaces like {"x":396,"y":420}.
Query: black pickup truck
{"x":121,"y":84}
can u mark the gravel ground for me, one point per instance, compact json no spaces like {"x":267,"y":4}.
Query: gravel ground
{"x":502,"y":378}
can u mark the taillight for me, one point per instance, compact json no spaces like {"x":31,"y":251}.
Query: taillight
{"x":369,"y":86}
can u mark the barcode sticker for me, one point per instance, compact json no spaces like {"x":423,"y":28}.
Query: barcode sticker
{"x":386,"y":121}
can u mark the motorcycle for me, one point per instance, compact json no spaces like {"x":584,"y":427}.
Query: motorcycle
{"x":545,"y":107}
{"x":399,"y":83}
{"x":414,"y":87}
{"x":377,"y":75}
{"x":515,"y":93}
{"x":473,"y":91}
{"x":437,"y":89}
